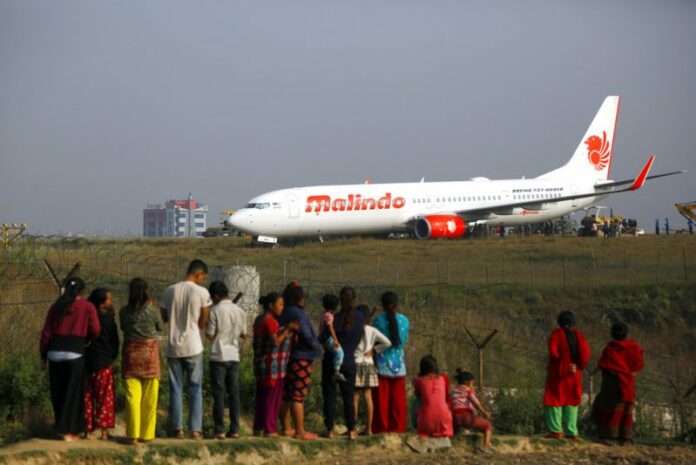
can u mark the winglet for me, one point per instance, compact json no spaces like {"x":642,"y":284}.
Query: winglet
{"x":640,"y":179}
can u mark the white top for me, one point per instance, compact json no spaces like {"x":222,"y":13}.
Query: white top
{"x":373,"y":340}
{"x":62,"y":356}
{"x":183,"y":303}
{"x":227,"y":323}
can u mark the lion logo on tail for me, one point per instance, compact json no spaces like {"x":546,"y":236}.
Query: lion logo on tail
{"x":598,"y":151}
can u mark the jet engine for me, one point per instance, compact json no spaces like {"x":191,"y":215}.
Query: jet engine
{"x":440,"y":226}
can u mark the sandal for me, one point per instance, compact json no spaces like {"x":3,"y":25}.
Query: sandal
{"x":179,"y":434}
{"x":272,"y":435}
{"x":327,"y":435}
{"x":288,"y":433}
{"x":219,"y":436}
{"x":305,"y":436}
{"x":352,"y":435}
{"x":197,"y":435}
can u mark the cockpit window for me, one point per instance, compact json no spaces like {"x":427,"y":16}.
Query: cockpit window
{"x":259,"y":206}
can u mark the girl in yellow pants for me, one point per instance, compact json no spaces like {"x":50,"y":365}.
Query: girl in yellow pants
{"x":141,"y":408}
{"x":141,"y":323}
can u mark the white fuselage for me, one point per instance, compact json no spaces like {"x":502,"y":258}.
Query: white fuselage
{"x":385,"y":208}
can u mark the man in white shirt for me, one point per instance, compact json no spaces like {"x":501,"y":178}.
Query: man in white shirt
{"x":185,"y":306}
{"x":226,"y":326}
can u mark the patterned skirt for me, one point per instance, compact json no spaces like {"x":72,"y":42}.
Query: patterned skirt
{"x":366,"y":376}
{"x":141,"y":359}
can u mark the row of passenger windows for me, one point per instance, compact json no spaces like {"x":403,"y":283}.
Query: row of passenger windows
{"x":486,"y":198}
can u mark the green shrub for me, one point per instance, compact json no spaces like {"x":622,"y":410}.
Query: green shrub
{"x":519,"y":411}
{"x":25,"y":408}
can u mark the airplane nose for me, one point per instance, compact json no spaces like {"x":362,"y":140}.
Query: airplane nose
{"x":239,"y":220}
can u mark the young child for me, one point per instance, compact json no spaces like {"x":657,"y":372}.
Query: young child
{"x":464,"y":406}
{"x":330,"y":304}
{"x":225,"y":329}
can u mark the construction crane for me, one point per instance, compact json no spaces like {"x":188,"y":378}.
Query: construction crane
{"x":687,"y":210}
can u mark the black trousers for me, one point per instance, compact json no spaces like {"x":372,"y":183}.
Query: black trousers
{"x":67,"y":382}
{"x":224,"y":379}
{"x":330,"y":388}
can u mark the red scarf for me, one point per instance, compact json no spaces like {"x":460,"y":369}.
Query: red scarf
{"x":624,"y":359}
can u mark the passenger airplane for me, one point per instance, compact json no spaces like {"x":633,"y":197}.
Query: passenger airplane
{"x":445,"y":209}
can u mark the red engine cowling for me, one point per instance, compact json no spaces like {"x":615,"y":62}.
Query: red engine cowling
{"x":440,"y":226}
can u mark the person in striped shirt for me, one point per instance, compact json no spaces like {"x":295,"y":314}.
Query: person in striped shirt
{"x":465,"y":403}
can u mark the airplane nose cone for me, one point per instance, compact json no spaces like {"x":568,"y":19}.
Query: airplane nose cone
{"x":239,"y":220}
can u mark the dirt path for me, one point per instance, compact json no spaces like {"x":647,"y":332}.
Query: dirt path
{"x":383,"y":450}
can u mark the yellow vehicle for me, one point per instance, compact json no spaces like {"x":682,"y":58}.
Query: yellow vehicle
{"x":687,"y":210}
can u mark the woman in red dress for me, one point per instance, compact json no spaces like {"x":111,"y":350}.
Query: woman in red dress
{"x":568,"y":356}
{"x":432,"y":389}
{"x":620,"y":362}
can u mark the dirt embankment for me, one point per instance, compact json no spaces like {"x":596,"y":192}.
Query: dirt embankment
{"x":381,"y":450}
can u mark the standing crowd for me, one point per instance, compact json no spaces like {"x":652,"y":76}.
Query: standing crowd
{"x":362,"y":352}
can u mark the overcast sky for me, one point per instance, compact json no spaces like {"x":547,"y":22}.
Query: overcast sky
{"x":108,"y":106}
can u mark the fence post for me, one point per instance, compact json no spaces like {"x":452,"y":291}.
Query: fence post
{"x":480,"y":347}
{"x":502,"y":269}
{"x":594,"y":264}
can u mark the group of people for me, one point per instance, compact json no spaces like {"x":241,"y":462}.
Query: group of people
{"x":362,"y":352}
{"x":612,"y":410}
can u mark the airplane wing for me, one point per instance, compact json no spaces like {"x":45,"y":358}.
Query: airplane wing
{"x":605,"y":185}
{"x":536,"y":204}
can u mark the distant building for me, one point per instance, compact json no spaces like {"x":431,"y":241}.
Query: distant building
{"x":177,"y":218}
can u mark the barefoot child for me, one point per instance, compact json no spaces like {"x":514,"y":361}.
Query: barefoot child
{"x":326,"y":323}
{"x":464,"y":406}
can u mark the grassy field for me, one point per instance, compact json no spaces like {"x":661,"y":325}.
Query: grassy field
{"x":514,"y":285}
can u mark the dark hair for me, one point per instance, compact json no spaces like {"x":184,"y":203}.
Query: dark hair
{"x":196,"y":266}
{"x":137,"y":293}
{"x":428,"y":366}
{"x":266,"y":300}
{"x":219,"y":289}
{"x":329,"y":302}
{"x":73,"y":288}
{"x":619,"y":330}
{"x":293,"y":294}
{"x":566,"y":318}
{"x":98,"y":296}
{"x":390,"y":302}
{"x":364,"y":309}
{"x":347,"y":314}
{"x":463,"y":376}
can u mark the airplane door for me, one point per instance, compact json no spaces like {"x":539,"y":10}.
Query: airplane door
{"x":293,"y":206}
{"x":574,"y":191}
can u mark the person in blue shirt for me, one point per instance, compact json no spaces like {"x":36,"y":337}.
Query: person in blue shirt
{"x":305,"y":350}
{"x":390,"y":397}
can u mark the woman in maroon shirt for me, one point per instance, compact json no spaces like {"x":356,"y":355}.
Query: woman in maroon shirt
{"x":71,"y":322}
